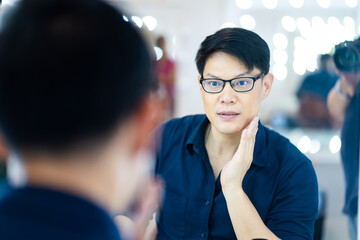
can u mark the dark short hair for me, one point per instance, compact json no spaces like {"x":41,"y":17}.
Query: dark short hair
{"x":245,"y":45}
{"x":70,"y":71}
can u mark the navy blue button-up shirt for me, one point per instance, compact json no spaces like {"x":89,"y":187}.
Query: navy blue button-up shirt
{"x":44,"y":214}
{"x":281,"y":184}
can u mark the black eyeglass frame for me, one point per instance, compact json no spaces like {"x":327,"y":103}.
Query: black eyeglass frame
{"x":261,"y":75}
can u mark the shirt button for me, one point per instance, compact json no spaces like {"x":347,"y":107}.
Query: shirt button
{"x":207,"y":203}
{"x":203,"y":235}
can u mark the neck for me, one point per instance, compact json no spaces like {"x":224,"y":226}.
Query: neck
{"x":222,"y":144}
{"x":91,"y":179}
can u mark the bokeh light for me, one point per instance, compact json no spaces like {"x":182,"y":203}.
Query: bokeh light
{"x":137,"y":20}
{"x":270,"y":4}
{"x":228,"y":25}
{"x":159,"y":53}
{"x":280,"y":41}
{"x":150,"y":22}
{"x":335,"y":144}
{"x":296,"y":3}
{"x":304,"y":144}
{"x":351,"y":3}
{"x":280,"y":56}
{"x":315,"y":146}
{"x":324,"y":3}
{"x":244,"y":4}
{"x":247,"y":22}
{"x":288,"y":23}
{"x":280,"y":72}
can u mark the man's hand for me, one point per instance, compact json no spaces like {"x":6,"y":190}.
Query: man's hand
{"x":234,"y":171}
{"x":137,"y":227}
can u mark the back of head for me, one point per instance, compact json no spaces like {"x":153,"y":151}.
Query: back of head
{"x":248,"y":47}
{"x":70,"y":71}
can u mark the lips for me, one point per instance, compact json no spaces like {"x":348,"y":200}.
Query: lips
{"x":227,"y":115}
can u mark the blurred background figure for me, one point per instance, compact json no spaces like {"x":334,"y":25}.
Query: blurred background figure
{"x":165,"y":72}
{"x":4,"y":187}
{"x":312,"y":95}
{"x":344,"y":106}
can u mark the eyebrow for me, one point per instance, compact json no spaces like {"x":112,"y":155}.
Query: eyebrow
{"x":239,"y":75}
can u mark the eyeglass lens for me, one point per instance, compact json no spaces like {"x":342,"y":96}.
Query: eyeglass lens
{"x":240,"y":85}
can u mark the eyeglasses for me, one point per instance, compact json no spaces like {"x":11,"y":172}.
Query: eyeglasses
{"x":239,"y":84}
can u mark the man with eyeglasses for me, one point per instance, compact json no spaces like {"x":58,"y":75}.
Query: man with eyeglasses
{"x":226,"y":175}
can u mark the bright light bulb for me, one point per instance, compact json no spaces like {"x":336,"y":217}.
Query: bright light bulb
{"x":324,"y":3}
{"x":288,"y":23}
{"x":244,"y":4}
{"x":280,"y":72}
{"x":351,"y":3}
{"x":137,"y":20}
{"x":299,"y":67}
{"x":228,"y":25}
{"x":335,"y":144}
{"x":150,"y":22}
{"x":280,"y":56}
{"x":159,"y":53}
{"x":297,"y":3}
{"x":304,"y":27}
{"x":280,"y":41}
{"x":270,"y":4}
{"x":304,"y":144}
{"x":125,"y":18}
{"x":315,"y":146}
{"x":247,"y":22}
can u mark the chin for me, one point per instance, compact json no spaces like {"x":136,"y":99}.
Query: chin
{"x":229,"y":127}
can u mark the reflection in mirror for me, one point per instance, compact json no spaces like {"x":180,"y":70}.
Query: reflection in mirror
{"x":298,"y":34}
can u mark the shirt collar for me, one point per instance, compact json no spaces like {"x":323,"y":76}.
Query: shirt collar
{"x":196,"y":140}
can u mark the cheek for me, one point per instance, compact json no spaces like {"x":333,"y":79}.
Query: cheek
{"x":209,"y":101}
{"x":251,"y":105}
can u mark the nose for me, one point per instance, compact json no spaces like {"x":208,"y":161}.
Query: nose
{"x":228,"y":95}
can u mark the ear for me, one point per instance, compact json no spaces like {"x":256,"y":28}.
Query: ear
{"x":199,"y":82}
{"x":200,"y":87}
{"x":267,"y":84}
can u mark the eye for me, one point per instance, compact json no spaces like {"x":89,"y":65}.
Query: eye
{"x":242,"y":82}
{"x":214,"y":83}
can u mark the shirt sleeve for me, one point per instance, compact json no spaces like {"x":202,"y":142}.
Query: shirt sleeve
{"x":295,"y":207}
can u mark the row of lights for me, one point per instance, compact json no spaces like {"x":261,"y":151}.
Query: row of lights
{"x":149,"y":21}
{"x":272,"y":4}
{"x":316,"y":37}
{"x":246,"y":21}
{"x":313,"y":146}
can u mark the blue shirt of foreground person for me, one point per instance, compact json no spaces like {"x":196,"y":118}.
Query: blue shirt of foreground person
{"x":74,"y":80}
{"x":226,"y":175}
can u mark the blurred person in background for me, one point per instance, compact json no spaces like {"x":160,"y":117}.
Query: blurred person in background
{"x":165,"y":72}
{"x":226,"y":175}
{"x":75,"y":112}
{"x":312,"y":94}
{"x":344,"y":106}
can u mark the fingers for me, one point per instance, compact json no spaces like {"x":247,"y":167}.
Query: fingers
{"x":247,"y":142}
{"x":147,"y":207}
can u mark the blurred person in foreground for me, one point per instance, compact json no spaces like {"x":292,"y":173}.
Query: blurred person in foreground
{"x":312,"y":95}
{"x":75,"y":112}
{"x":344,"y":106}
{"x":226,"y":175}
